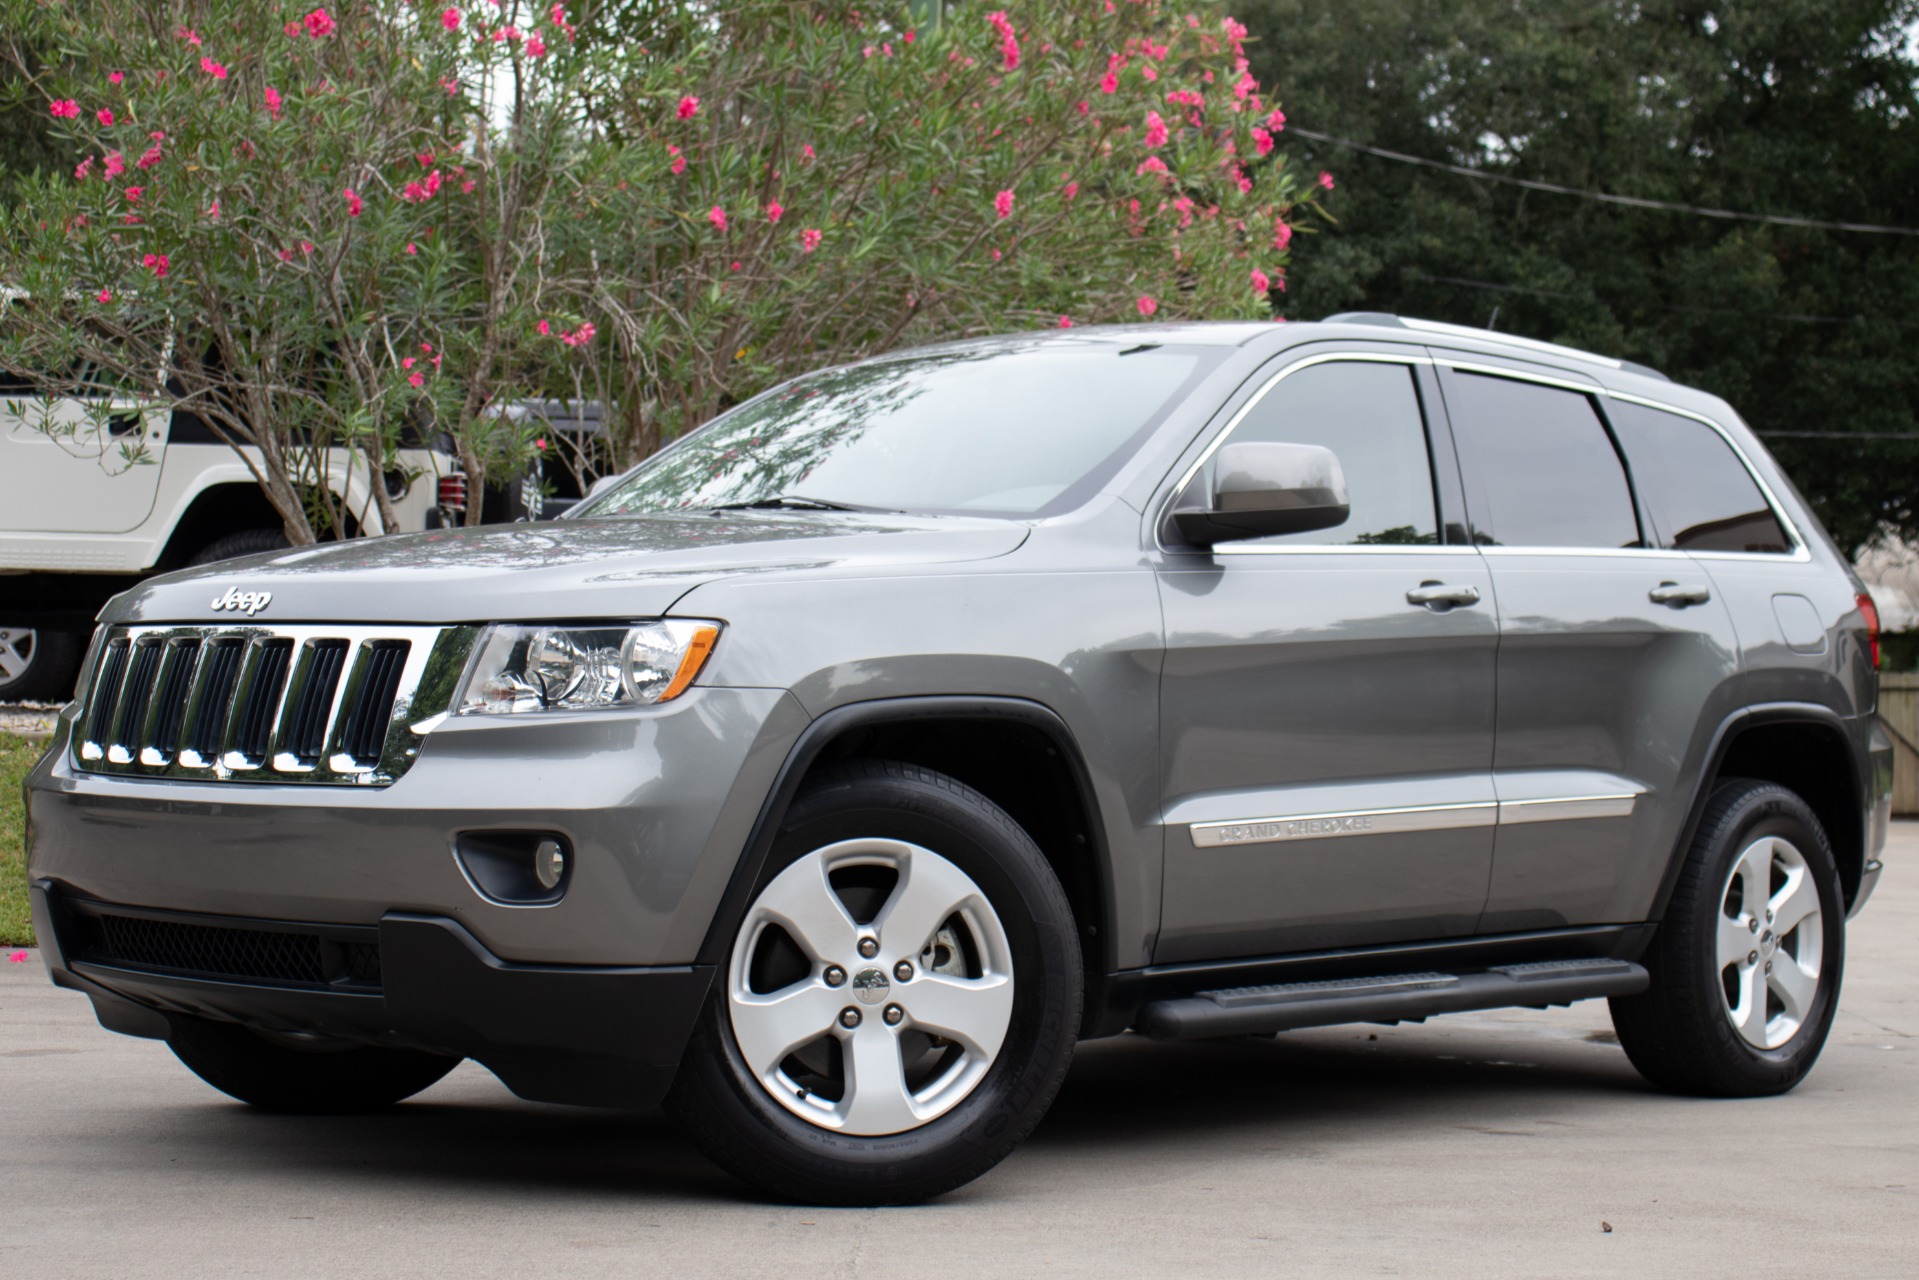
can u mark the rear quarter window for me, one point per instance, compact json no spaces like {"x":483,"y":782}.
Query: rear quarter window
{"x":1698,"y":489}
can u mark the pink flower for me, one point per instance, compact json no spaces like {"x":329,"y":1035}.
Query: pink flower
{"x":213,"y":211}
{"x":1151,"y":164}
{"x":1260,"y":283}
{"x":1282,"y":234}
{"x":407,"y":363}
{"x":213,"y":68}
{"x":450,"y":19}
{"x":1147,"y":305}
{"x":1008,"y":41}
{"x":1070,"y":190}
{"x":689,"y":107}
{"x":679,"y":161}
{"x":412,"y":249}
{"x":775,"y":211}
{"x":1155,"y":131}
{"x":148,"y":158}
{"x":319,"y":24}
{"x":1066,"y":322}
{"x":1003,"y":204}
{"x":806,"y":154}
{"x":81,"y":170}
{"x":187,"y":34}
{"x":114,"y":166}
{"x":1186,"y":98}
{"x":540,"y":443}
{"x":104,"y":296}
{"x":273,"y":102}
{"x":353,"y":202}
{"x":157,"y":264}
{"x":1325,"y":180}
{"x":580,"y":336}
{"x":1262,"y":141}
{"x":1083,"y":106}
{"x":908,"y":37}
{"x":1109,"y":83}
{"x":18,"y":957}
{"x":65,"y":109}
{"x":717,"y":216}
{"x":1276,"y":121}
{"x":543,"y":328}
{"x":114,"y":77}
{"x":535,"y":47}
{"x":306,"y":246}
{"x":104,"y":116}
{"x":809,"y":240}
{"x":415,"y":379}
{"x":735,"y":266}
{"x":427,"y":347}
{"x":134,"y":194}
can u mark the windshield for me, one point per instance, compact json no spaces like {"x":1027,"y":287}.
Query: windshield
{"x":1016,"y":430}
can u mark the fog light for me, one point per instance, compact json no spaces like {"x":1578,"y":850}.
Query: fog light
{"x":549,"y":864}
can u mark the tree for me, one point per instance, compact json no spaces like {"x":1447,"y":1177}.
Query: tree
{"x":1799,"y":107}
{"x":327,"y":227}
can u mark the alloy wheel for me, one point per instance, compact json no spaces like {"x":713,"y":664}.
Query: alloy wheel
{"x":1771,"y":938}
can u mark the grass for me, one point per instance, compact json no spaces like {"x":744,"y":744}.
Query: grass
{"x":17,"y":755}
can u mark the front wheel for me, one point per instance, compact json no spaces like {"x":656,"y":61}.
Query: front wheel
{"x":286,"y":1076}
{"x":37,"y":663}
{"x":901,"y":1001}
{"x":1746,"y":965}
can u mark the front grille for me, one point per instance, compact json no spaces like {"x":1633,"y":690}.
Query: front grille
{"x":300,"y":703}
{"x":226,"y":953}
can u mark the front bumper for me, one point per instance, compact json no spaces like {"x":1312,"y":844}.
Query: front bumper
{"x":589,"y":1035}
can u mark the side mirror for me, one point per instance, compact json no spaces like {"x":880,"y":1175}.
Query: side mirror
{"x":1263,"y":489}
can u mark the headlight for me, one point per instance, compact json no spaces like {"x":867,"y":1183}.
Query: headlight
{"x":532,"y":668}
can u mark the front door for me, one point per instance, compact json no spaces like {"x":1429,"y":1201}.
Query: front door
{"x":1327,"y":697}
{"x":1617,"y":659}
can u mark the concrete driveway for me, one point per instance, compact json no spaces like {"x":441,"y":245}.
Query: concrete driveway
{"x":1477,"y":1145}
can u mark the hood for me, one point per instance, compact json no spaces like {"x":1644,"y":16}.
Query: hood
{"x":630,"y":566}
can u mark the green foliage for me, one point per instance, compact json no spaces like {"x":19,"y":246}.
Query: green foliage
{"x":328,"y":226}
{"x":17,"y":757}
{"x":1802,"y":107}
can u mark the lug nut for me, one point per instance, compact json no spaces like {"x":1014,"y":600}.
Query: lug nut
{"x":1752,"y":925}
{"x":903,"y":971}
{"x":893,"y":1015}
{"x":849,"y":1017}
{"x":1768,"y":966}
{"x":835,"y":976}
{"x":869,"y":947}
{"x":1752,"y":957}
{"x":1768,"y":915}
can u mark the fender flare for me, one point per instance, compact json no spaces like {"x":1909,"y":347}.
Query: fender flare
{"x":859,"y":715}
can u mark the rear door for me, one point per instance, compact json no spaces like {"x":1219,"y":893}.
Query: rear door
{"x":1326,"y":737}
{"x":1616,"y":656}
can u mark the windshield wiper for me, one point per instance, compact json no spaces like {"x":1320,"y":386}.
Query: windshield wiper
{"x":795,"y":502}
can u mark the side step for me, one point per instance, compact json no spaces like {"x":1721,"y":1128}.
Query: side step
{"x":1402,"y":997}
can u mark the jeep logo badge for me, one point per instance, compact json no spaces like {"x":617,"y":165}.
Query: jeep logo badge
{"x":238,"y":601}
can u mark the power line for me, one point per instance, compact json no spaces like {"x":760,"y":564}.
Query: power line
{"x":1637,"y":202}
{"x":1417,"y":274}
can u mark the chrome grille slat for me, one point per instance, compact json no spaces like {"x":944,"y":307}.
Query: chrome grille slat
{"x":298,"y":703}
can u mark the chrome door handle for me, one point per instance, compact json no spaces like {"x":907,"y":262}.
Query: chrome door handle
{"x":1678,"y":597}
{"x":1439,"y":597}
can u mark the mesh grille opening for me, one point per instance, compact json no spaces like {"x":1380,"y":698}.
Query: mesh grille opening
{"x":214,"y":951}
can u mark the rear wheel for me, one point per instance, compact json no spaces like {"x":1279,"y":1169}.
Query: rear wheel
{"x":900,"y":1004}
{"x":1746,"y":966}
{"x":285,"y":1075}
{"x":37,"y":664}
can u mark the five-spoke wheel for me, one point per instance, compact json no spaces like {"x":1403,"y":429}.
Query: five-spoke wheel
{"x":900,"y":1001}
{"x":1746,"y":964}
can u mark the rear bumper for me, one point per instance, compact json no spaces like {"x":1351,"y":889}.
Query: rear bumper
{"x":1879,"y":763}
{"x":589,"y":1035}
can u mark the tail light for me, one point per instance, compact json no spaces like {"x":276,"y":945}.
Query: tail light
{"x":453,"y":492}
{"x":1870,"y":611}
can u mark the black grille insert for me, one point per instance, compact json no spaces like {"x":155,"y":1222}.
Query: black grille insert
{"x":219,"y":669}
{"x":171,"y":706}
{"x":220,"y":952}
{"x":363,"y":736}
{"x":106,"y":692}
{"x":305,"y":732}
{"x":261,"y":699}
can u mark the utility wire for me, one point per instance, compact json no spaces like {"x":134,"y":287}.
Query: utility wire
{"x":1414,"y":273}
{"x":1637,"y":202}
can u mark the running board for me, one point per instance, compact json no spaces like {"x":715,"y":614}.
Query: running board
{"x":1402,"y":997}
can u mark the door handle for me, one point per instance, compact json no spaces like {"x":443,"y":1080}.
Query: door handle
{"x":1439,"y":597}
{"x":1676,"y":596}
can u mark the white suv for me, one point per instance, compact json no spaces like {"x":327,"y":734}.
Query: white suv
{"x":78,"y":522}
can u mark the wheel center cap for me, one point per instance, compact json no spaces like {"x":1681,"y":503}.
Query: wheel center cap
{"x":870,"y":986}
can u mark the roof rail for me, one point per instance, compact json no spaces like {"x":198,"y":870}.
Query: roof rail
{"x":1385,"y":320}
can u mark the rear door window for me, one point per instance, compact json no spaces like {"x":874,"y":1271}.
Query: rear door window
{"x":1542,"y":464}
{"x":1368,"y":414}
{"x":1698,"y":489}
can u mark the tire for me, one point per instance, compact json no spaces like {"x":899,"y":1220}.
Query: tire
{"x":999,"y":957}
{"x":246,"y":542}
{"x":37,"y":664}
{"x":274,"y":1076}
{"x":1701,"y":1027}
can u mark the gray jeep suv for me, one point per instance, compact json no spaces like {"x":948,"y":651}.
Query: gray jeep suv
{"x":832,"y":773}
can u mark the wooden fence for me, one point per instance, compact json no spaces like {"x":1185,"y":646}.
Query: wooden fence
{"x":1899,"y":709}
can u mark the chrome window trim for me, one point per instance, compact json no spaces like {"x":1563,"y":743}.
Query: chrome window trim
{"x":1232,"y":425}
